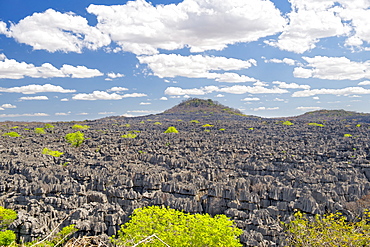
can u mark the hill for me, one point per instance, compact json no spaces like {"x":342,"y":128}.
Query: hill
{"x":330,"y":115}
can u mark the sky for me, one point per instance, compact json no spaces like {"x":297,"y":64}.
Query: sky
{"x":89,"y":59}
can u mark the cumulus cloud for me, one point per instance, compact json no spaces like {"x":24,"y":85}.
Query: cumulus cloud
{"x":290,"y":85}
{"x":364,"y":83}
{"x":343,"y":91}
{"x":25,"y":115}
{"x":197,"y":66}
{"x":233,"y":90}
{"x":333,"y":68}
{"x":101,"y":95}
{"x":163,"y":98}
{"x":310,"y":21}
{"x":115,"y":75}
{"x":12,"y":69}
{"x":263,"y":108}
{"x":308,"y":108}
{"x":8,"y":106}
{"x":117,"y":89}
{"x":220,"y":95}
{"x":142,"y":28}
{"x":251,"y":99}
{"x":145,"y":103}
{"x":288,"y":61}
{"x":34,"y":98}
{"x":106,"y":113}
{"x":33,"y":88}
{"x":54,"y":31}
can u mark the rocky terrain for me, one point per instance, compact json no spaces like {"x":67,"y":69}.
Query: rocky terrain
{"x":256,"y":171}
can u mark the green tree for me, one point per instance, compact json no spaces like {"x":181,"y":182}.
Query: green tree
{"x":327,"y":230}
{"x":7,"y":216}
{"x":51,"y":152}
{"x":171,"y":129}
{"x":12,"y":134}
{"x":40,"y":131}
{"x":80,"y":127}
{"x":287,"y":123}
{"x":129,"y":135}
{"x":177,"y":228}
{"x":49,"y":126}
{"x":75,"y":139}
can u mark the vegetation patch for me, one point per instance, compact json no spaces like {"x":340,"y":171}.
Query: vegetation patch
{"x":12,"y":134}
{"x":51,"y":152}
{"x":171,"y":129}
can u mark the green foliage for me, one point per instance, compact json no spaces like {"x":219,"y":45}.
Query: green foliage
{"x":12,"y":134}
{"x":222,"y":129}
{"x":7,"y":216}
{"x":7,"y":237}
{"x":316,"y":124}
{"x":158,"y":123}
{"x":327,"y":230}
{"x":127,"y":125}
{"x":129,"y":135}
{"x":194,"y":121}
{"x":80,"y":127}
{"x":51,"y":152}
{"x":39,"y":131}
{"x":57,"y":239}
{"x":49,"y":126}
{"x":207,"y":125}
{"x":15,"y":127}
{"x":358,"y":125}
{"x":287,"y":123}
{"x":171,"y":129}
{"x":251,"y":128}
{"x":347,"y":135}
{"x":206,"y":130}
{"x":177,"y":228}
{"x":75,"y":139}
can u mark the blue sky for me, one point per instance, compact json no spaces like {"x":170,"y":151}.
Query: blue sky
{"x":76,"y":60}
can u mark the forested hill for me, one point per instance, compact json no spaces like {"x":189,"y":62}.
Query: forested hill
{"x":329,"y":115}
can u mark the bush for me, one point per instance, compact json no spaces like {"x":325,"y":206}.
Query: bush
{"x":7,"y":237}
{"x":177,"y":228}
{"x":287,"y":123}
{"x":207,"y":125}
{"x":51,"y":152}
{"x":347,"y":135}
{"x":40,"y":131}
{"x":327,"y":230}
{"x":316,"y":124}
{"x":171,"y":130}
{"x":80,"y":127}
{"x":75,"y":139}
{"x":129,"y":135}
{"x":49,"y":126}
{"x":7,"y":216}
{"x":12,"y":134}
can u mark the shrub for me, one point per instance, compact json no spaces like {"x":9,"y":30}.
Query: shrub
{"x":207,"y":125}
{"x":51,"y":152}
{"x":40,"y":131}
{"x":80,"y":127}
{"x":158,"y":123}
{"x":287,"y":123}
{"x":129,"y":135}
{"x":316,"y":124}
{"x":12,"y":134}
{"x":194,"y":121}
{"x":222,"y":129}
{"x":177,"y":228}
{"x":327,"y":230}
{"x":7,"y":216}
{"x":7,"y":237}
{"x":171,"y":130}
{"x":347,"y":135}
{"x":49,"y":126}
{"x":75,"y":139}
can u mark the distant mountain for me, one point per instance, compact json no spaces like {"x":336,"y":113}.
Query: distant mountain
{"x":328,"y":115}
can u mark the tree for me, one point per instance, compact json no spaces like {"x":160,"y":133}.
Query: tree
{"x":51,"y":152}
{"x":7,"y":216}
{"x":75,"y":139}
{"x":327,"y":230}
{"x":80,"y":127}
{"x":40,"y":131}
{"x":177,"y":228}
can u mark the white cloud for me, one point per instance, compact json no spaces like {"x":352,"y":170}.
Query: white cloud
{"x":54,"y":31}
{"x":12,"y":69}
{"x":62,"y":113}
{"x":263,"y":108}
{"x":163,"y":98}
{"x":127,"y":115}
{"x":237,"y":89}
{"x":82,"y":114}
{"x":343,"y":91}
{"x":145,"y":103}
{"x":288,"y":61}
{"x":115,"y":75}
{"x":106,"y":113}
{"x":64,"y":99}
{"x":8,"y":106}
{"x":25,"y":115}
{"x":290,"y":85}
{"x":197,"y":66}
{"x":117,"y":89}
{"x":220,"y":95}
{"x":310,"y":21}
{"x":251,"y":99}
{"x":142,"y":28}
{"x":333,"y":68}
{"x":33,"y":88}
{"x":101,"y":95}
{"x":308,"y":108}
{"x":278,"y":99}
{"x":34,"y":98}
{"x":141,"y":111}
{"x":2,"y":109}
{"x":363,"y":83}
